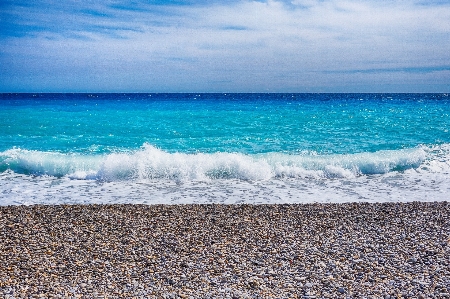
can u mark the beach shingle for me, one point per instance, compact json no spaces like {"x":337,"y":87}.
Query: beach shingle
{"x":353,"y":250}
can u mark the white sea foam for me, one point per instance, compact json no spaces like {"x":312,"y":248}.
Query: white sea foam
{"x":152,"y":163}
{"x":396,"y":187}
{"x":152,"y":176}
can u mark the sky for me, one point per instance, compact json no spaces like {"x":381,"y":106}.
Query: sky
{"x":225,"y":46}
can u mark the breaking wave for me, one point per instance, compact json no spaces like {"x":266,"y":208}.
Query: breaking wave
{"x":150,"y":162}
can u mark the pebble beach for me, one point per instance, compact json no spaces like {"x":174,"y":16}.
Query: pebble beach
{"x":348,"y":250}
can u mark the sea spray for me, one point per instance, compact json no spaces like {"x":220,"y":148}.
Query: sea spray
{"x":150,"y":162}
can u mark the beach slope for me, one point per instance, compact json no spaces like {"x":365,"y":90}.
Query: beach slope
{"x":383,"y":250}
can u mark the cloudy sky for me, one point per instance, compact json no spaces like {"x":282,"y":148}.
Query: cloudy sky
{"x":225,"y":46}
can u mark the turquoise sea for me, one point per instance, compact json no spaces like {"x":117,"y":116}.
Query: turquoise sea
{"x":223,"y":148}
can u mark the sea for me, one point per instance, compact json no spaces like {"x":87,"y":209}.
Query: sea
{"x":225,"y":148}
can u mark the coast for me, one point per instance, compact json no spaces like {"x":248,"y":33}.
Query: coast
{"x":372,"y":250}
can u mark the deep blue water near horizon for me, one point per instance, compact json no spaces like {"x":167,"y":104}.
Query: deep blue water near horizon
{"x":166,"y":145}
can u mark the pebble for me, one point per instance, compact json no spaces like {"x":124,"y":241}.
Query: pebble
{"x":360,"y":250}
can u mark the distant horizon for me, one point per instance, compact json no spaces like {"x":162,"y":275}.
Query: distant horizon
{"x":233,"y":46}
{"x":224,"y":93}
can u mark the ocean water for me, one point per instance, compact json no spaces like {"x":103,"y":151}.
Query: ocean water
{"x":223,"y":148}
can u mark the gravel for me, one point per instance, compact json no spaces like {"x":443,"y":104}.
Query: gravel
{"x":356,"y":250}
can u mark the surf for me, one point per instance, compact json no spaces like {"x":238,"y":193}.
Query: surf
{"x":150,"y":162}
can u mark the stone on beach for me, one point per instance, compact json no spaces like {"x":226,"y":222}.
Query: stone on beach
{"x":385,"y":250}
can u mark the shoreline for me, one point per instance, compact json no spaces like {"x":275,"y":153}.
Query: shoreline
{"x":376,"y":250}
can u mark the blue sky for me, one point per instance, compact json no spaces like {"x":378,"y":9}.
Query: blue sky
{"x":225,"y":46}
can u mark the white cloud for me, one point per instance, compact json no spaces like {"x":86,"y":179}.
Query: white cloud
{"x":244,"y":46}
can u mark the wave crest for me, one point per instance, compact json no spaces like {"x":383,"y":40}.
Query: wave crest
{"x":152,"y":163}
